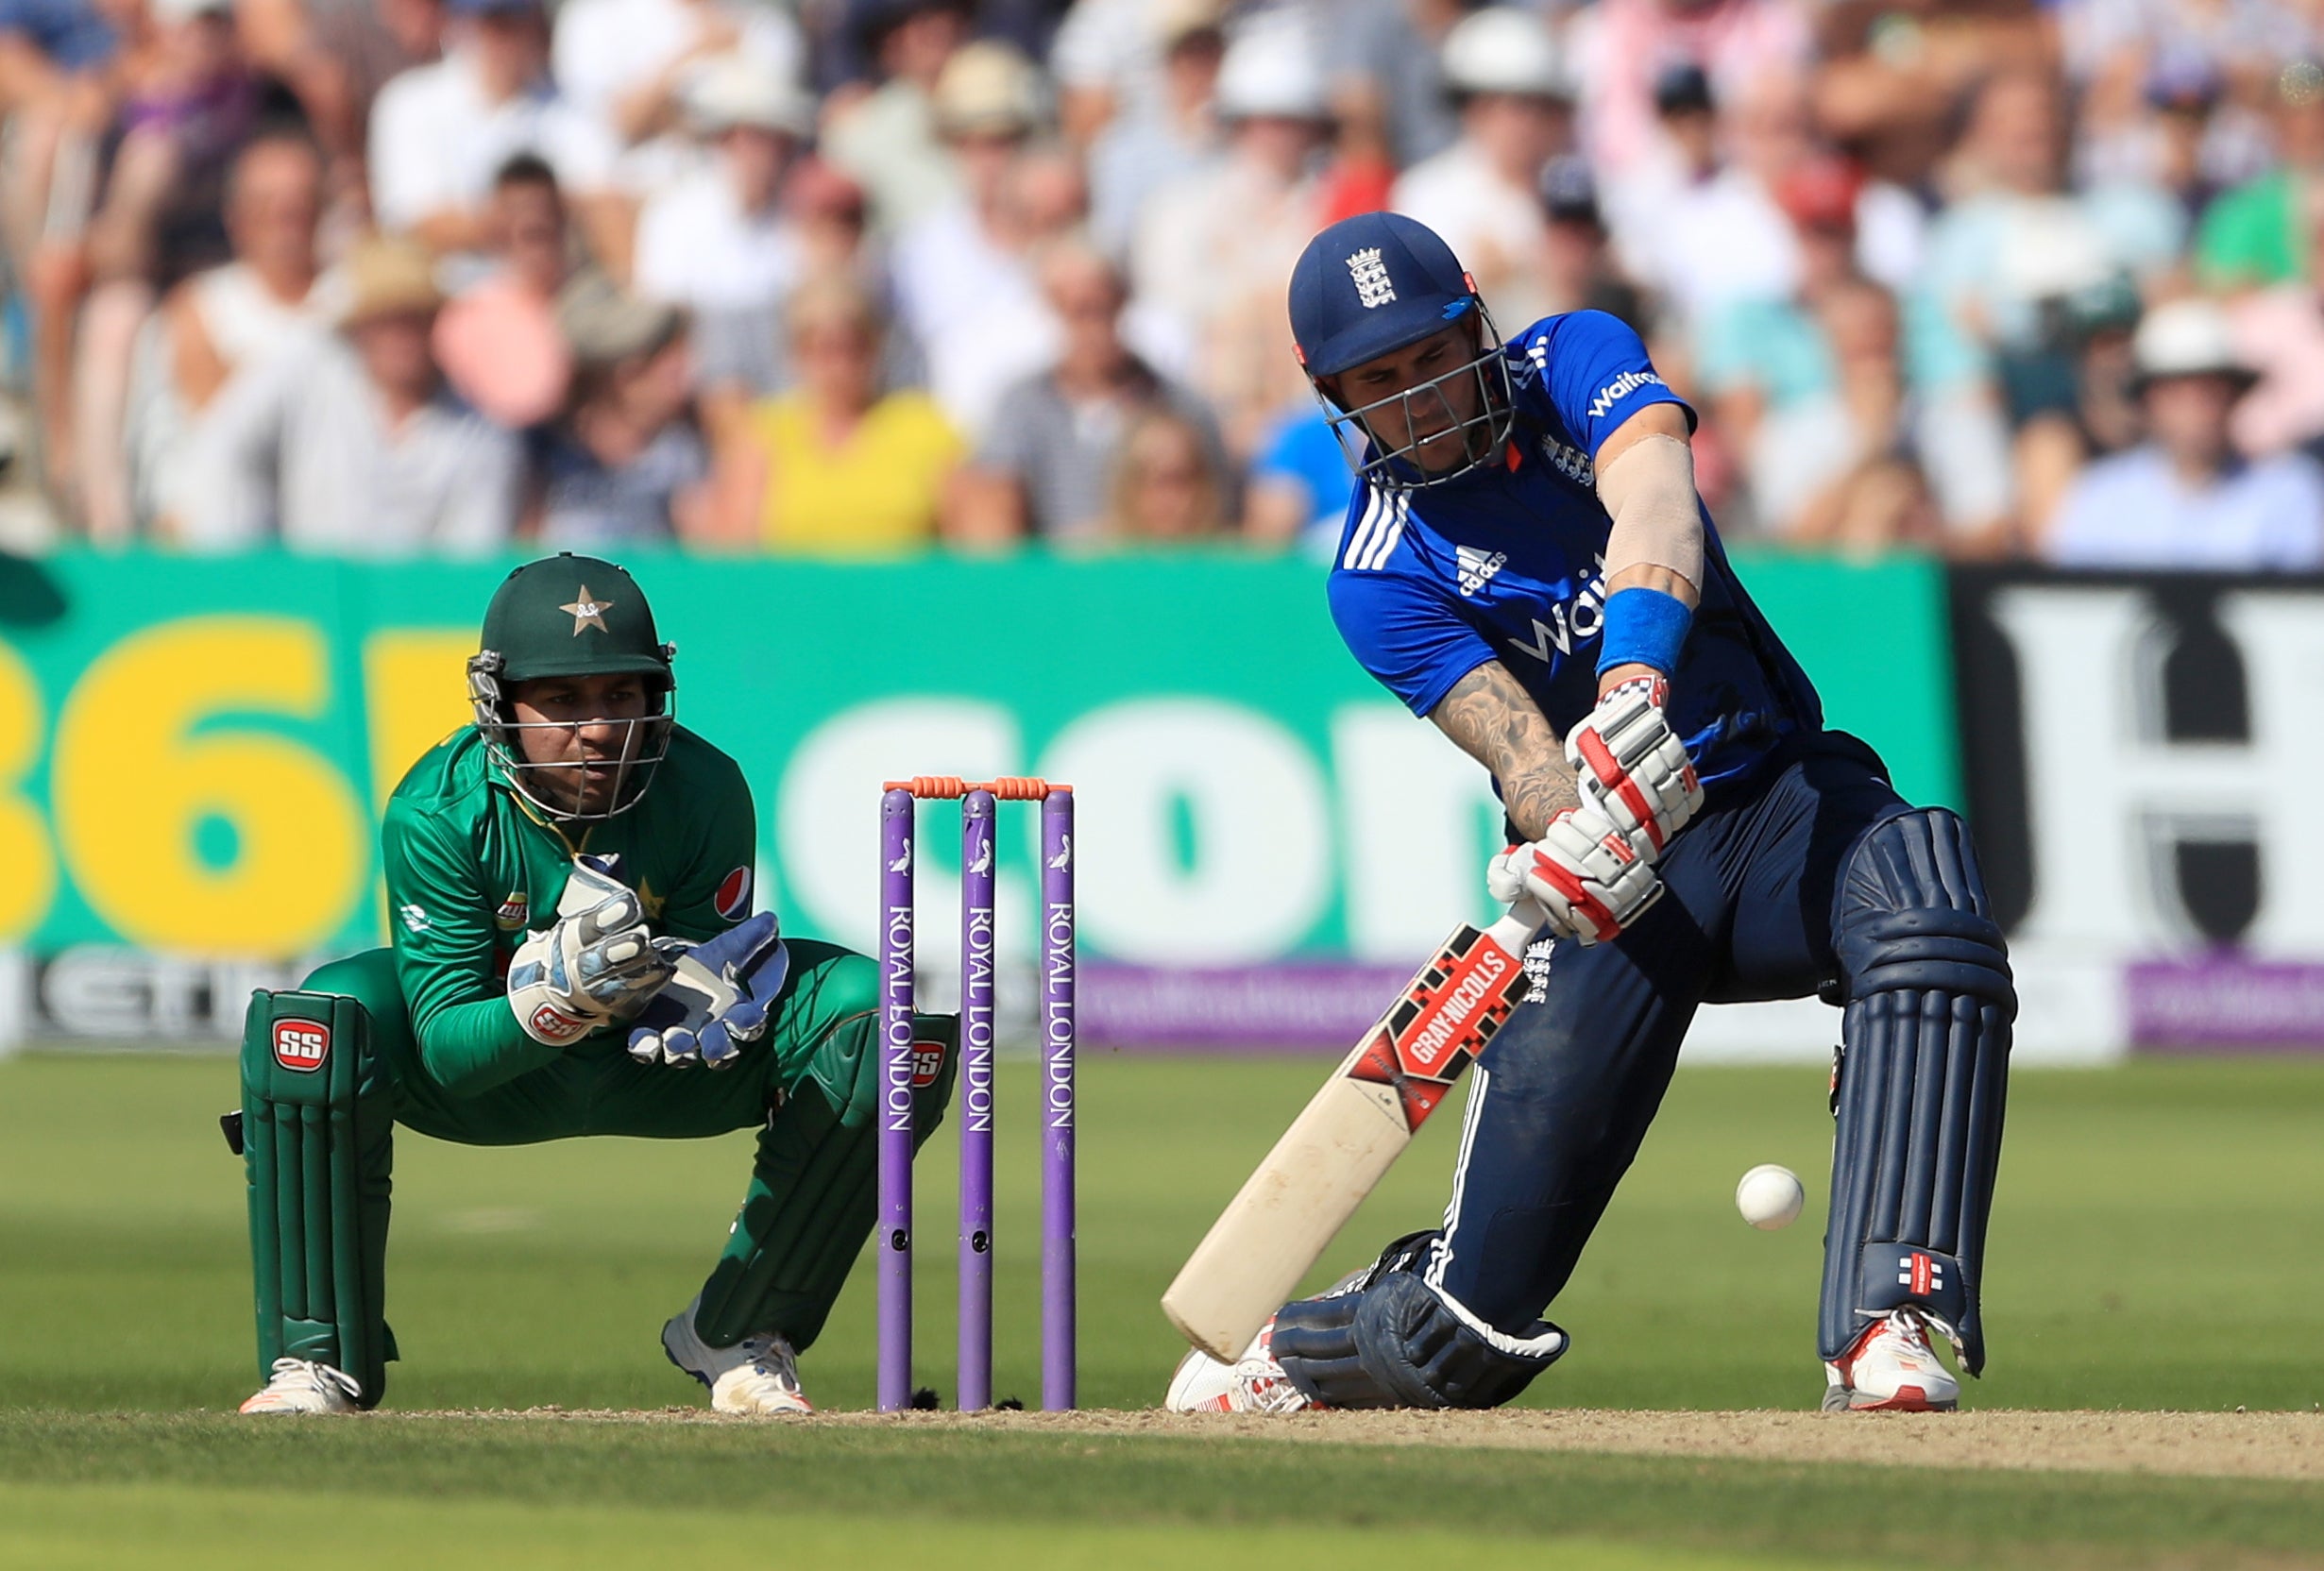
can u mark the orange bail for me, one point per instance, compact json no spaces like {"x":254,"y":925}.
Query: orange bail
{"x":1007,"y":788}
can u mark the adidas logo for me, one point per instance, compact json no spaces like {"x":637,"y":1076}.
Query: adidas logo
{"x":1476,"y":566}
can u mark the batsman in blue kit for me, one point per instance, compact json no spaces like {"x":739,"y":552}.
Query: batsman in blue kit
{"x":1526,"y":563}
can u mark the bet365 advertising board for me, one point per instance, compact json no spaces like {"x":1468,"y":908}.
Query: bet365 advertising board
{"x":193,"y":753}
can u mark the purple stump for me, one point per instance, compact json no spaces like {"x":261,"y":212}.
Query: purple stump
{"x":896,"y":1110}
{"x":1057,"y":1331}
{"x":975,"y":1378}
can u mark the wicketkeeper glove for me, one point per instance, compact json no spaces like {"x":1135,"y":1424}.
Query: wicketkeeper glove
{"x":1633,"y":767}
{"x":1591,"y":878}
{"x":595,"y":965}
{"x":717,"y":998}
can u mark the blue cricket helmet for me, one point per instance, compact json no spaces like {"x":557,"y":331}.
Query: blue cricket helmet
{"x":1376,"y":283}
{"x":1373,"y":283}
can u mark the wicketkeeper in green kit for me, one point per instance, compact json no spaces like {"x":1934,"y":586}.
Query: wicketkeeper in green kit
{"x":569,"y":884}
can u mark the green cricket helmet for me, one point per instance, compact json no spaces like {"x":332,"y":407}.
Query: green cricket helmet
{"x":569,"y":616}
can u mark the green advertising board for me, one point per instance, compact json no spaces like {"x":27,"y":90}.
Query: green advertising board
{"x":193,"y":751}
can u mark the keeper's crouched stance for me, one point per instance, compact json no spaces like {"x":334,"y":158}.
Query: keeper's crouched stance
{"x":1527,"y":564}
{"x":569,"y":883}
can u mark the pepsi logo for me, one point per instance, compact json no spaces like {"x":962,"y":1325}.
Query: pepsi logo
{"x":302,"y":1044}
{"x":734,"y":896}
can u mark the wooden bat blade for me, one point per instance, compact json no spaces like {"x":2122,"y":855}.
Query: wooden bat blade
{"x":1350,"y":1133}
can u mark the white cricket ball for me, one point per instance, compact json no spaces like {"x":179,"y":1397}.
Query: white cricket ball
{"x":1770,"y":1196}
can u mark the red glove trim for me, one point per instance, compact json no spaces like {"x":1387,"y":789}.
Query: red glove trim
{"x":1568,"y":883}
{"x":1615,"y":778}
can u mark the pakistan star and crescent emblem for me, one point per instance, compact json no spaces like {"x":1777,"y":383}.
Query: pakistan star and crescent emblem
{"x":588,"y":612}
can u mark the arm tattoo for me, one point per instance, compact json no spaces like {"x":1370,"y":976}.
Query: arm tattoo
{"x":1496,"y":722}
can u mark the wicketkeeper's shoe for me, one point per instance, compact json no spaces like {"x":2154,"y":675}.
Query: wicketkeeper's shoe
{"x":757,"y":1376}
{"x":1890,"y":1368}
{"x":1254,"y":1383}
{"x":299,"y":1385}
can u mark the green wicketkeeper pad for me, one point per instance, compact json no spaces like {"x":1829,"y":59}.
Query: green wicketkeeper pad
{"x":317,"y":1135}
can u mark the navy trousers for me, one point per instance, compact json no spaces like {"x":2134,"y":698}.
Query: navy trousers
{"x":1562,"y":1098}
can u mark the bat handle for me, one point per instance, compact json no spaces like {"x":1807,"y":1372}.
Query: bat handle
{"x":1519,"y":928}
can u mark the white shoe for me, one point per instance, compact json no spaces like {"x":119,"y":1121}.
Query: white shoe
{"x":299,"y":1385}
{"x":1890,"y":1368}
{"x":1254,"y":1383}
{"x":756,"y":1377}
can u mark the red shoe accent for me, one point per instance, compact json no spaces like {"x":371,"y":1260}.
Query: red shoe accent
{"x":1908,"y":1399}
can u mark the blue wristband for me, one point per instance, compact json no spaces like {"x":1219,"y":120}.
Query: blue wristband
{"x":1644,"y":626}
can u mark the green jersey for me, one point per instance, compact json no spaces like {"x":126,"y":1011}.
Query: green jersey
{"x":471,"y":868}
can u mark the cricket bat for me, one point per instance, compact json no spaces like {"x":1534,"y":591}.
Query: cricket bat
{"x":1350,"y":1134}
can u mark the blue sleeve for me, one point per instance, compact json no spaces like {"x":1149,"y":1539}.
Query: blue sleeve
{"x":1407,"y":638}
{"x":1593,"y":369}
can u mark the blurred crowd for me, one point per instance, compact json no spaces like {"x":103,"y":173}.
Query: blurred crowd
{"x":1990,"y":277}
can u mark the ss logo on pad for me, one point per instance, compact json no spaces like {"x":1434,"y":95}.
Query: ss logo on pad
{"x":302,"y":1044}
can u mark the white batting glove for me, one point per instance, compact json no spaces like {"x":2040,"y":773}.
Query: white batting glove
{"x":1590,"y":878}
{"x":1633,"y":767}
{"x":595,"y":965}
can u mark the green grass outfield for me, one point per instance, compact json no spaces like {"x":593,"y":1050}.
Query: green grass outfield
{"x":2156,"y":1245}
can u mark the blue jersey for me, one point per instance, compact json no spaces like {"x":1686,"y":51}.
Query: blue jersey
{"x":1508,"y":563}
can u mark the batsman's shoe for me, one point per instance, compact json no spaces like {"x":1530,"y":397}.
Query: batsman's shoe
{"x":756,"y":1377}
{"x":1890,"y":1368}
{"x":1253,"y":1383}
{"x":299,"y":1385}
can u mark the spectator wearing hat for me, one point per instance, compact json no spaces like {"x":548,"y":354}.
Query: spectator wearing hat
{"x":1043,"y":467}
{"x":439,"y":134}
{"x":1142,"y":149}
{"x":1215,"y":249}
{"x":886,"y":137}
{"x":498,"y":340}
{"x":1481,"y":194}
{"x":964,"y":276}
{"x":354,"y":447}
{"x":2184,"y":498}
{"x":841,"y":465}
{"x":718,"y":242}
{"x":626,"y":465}
{"x":635,"y":67}
{"x":2096,"y":412}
